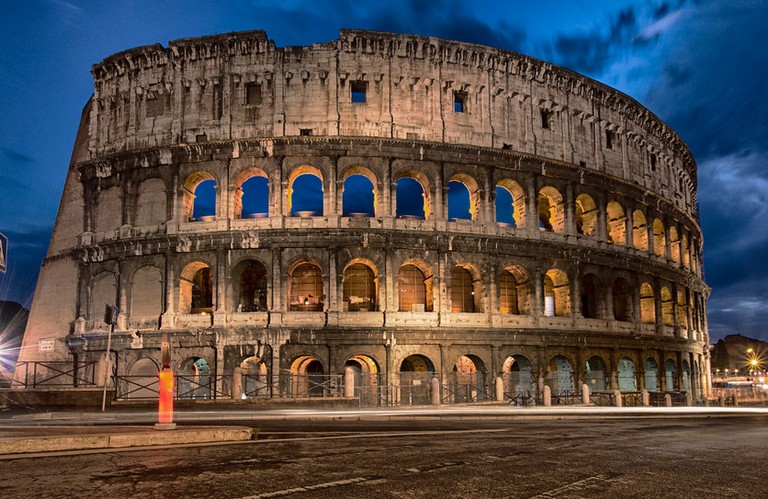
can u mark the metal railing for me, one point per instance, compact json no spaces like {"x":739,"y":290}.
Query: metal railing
{"x":565,"y":397}
{"x":631,"y":399}
{"x":36,"y":374}
{"x":523,"y":398}
{"x":602,"y":398}
{"x":311,"y":385}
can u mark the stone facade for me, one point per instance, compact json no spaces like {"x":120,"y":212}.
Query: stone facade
{"x":593,"y":275}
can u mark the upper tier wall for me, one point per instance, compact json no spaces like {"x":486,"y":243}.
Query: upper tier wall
{"x":236,"y":86}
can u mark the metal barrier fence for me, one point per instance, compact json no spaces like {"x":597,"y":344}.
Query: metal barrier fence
{"x":565,"y":397}
{"x":603,"y":398}
{"x":186,"y":387}
{"x":467,"y":388}
{"x":744,"y":394}
{"x":292,"y":385}
{"x":34,"y":374}
{"x":657,"y":399}
{"x":522,"y":399}
{"x":631,"y":399}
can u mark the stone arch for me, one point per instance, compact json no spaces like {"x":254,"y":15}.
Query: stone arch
{"x":303,"y":192}
{"x":306,"y":286}
{"x":596,"y":374}
{"x":592,"y":297}
{"x":627,"y":375}
{"x":659,"y":238}
{"x":195,"y":378}
{"x":190,"y":204}
{"x":682,"y":309}
{"x":147,"y":292}
{"x":255,"y":372}
{"x":109,"y":209}
{"x":647,"y":304}
{"x":623,"y":306}
{"x":560,"y":375}
{"x":466,"y":195}
{"x":196,"y":288}
{"x":415,"y":287}
{"x":674,"y":244}
{"x":355,"y":200}
{"x":667,"y":307}
{"x":586,"y":215}
{"x":470,"y":381}
{"x":366,"y":378}
{"x":551,"y":210}
{"x":405,"y":204}
{"x":103,"y":295}
{"x":252,"y":194}
{"x":517,"y":373}
{"x":416,"y":371}
{"x":151,"y":203}
{"x":557,"y":294}
{"x":639,"y":230}
{"x":250,"y":285}
{"x":512,"y":213}
{"x":651,"y":375}
{"x":616,"y":223}
{"x":142,"y":382}
{"x":466,"y":288}
{"x":514,"y":291}
{"x":308,"y":375}
{"x":360,"y":286}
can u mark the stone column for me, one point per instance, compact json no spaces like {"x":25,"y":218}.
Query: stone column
{"x":570,"y":208}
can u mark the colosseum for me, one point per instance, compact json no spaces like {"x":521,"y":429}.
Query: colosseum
{"x":374,"y":216}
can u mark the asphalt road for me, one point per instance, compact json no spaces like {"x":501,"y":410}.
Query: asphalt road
{"x":701,"y":457}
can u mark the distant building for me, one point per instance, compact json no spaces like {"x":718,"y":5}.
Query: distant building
{"x":577,"y":258}
{"x":735,"y":353}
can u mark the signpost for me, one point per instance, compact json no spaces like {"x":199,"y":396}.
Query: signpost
{"x":110,"y":317}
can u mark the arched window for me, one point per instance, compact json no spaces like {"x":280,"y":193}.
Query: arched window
{"x":622,"y":300}
{"x":250,"y":286}
{"x":255,"y":198}
{"x":514,"y":293}
{"x":686,"y":250}
{"x":462,"y":291}
{"x":305,"y":288}
{"x":591,"y":294}
{"x":557,"y":294}
{"x":306,"y":195}
{"x":659,"y":238}
{"x":109,"y":209}
{"x":103,"y":295}
{"x":639,"y":231}
{"x":458,"y":201}
{"x":667,"y":306}
{"x":595,"y":373}
{"x":551,"y":212}
{"x":151,"y":203}
{"x":616,"y":223}
{"x":358,"y":198}
{"x":413,"y":290}
{"x":510,"y":203}
{"x":199,"y":201}
{"x":411,"y":199}
{"x":682,"y":309}
{"x":674,"y":244}
{"x":196,"y":289}
{"x":586,"y":215}
{"x":359,"y":288}
{"x":147,"y":292}
{"x":647,"y":304}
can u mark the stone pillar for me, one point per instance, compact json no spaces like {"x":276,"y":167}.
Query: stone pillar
{"x":499,"y":389}
{"x":237,"y":383}
{"x":349,"y":382}
{"x":569,"y":209}
{"x":667,"y":400}
{"x":332,"y":302}
{"x":630,"y":224}
{"x":434,"y":392}
{"x":547,"y":396}
{"x":617,"y":398}
{"x":585,"y":394}
{"x":532,"y":205}
{"x":602,"y":223}
{"x":646,"y":398}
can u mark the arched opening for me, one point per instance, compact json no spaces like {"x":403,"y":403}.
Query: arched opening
{"x":367,"y":387}
{"x":647,"y":304}
{"x":682,"y":309}
{"x":109,"y":209}
{"x":458,"y":201}
{"x":510,"y":204}
{"x":596,"y":374}
{"x":464,"y":295}
{"x":686,"y":377}
{"x":674,"y":244}
{"x":199,"y":197}
{"x":639,"y":230}
{"x":151,"y":206}
{"x":307,"y":377}
{"x":194,"y":379}
{"x":586,"y":215}
{"x":141,"y":382}
{"x":518,"y":379}
{"x":255,"y":373}
{"x":671,"y":375}
{"x":514,"y":291}
{"x":651,"y":375}
{"x":557,"y":294}
{"x":250,"y":287}
{"x":358,"y":198}
{"x":591,"y":297}
{"x":412,"y":199}
{"x":306,"y":194}
{"x":196,"y":289}
{"x":667,"y":307}
{"x":470,"y":380}
{"x":360,"y":288}
{"x":616,"y":222}
{"x":254,"y":202}
{"x":305,"y":288}
{"x":416,"y":372}
{"x":147,"y":293}
{"x":551,"y":210}
{"x":103,"y":295}
{"x":626,"y":375}
{"x":622,"y":300}
{"x":659,"y":238}
{"x":686,"y":250}
{"x":560,"y":376}
{"x":414,"y":289}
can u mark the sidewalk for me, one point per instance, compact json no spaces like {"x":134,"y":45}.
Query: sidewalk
{"x":35,"y":432}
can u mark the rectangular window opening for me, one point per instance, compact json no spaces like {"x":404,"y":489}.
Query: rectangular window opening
{"x":653,"y":162}
{"x":459,"y":102}
{"x":306,"y":132}
{"x":253,"y":94}
{"x":609,"y":139}
{"x":358,"y":89}
{"x":545,"y":119}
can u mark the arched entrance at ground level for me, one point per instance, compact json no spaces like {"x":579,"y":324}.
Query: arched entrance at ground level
{"x":627,"y":375}
{"x":671,"y":375}
{"x":470,"y":381}
{"x":141,"y":382}
{"x":367,"y":384}
{"x":194,"y":380}
{"x":686,"y":378}
{"x":651,"y":375}
{"x":255,"y":373}
{"x":518,"y":378}
{"x":596,"y":374}
{"x":416,"y":371}
{"x":560,"y":375}
{"x":307,"y":378}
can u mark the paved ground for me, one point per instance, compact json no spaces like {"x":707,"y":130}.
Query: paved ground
{"x":672,"y":456}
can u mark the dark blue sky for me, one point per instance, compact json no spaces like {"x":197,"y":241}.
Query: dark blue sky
{"x":702,"y":66}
